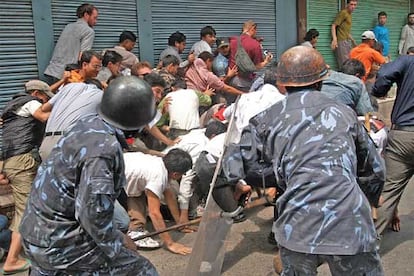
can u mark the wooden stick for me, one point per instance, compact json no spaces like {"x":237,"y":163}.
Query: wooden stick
{"x":255,"y":203}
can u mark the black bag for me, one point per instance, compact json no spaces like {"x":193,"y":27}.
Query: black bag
{"x":243,"y":61}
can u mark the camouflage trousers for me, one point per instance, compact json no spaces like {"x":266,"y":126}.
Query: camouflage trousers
{"x":297,"y":264}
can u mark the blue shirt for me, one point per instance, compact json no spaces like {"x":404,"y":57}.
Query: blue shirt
{"x":220,"y":65}
{"x":382,"y":35}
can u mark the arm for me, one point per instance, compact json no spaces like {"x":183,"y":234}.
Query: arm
{"x":232,"y":90}
{"x":158,"y":222}
{"x":186,"y":191}
{"x":95,"y":203}
{"x":266,"y":61}
{"x":364,"y":104}
{"x":155,"y":131}
{"x":334,"y":43}
{"x":386,"y":76}
{"x":371,"y":174}
{"x":402,"y":41}
{"x":41,"y":115}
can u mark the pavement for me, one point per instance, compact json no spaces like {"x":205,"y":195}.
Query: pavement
{"x":248,"y":252}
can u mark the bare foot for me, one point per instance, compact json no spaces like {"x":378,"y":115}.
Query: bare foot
{"x":18,"y":264}
{"x":277,"y":264}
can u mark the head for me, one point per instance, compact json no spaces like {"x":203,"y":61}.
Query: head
{"x":223,"y":46}
{"x":208,"y":34}
{"x":250,"y":28}
{"x":128,"y":103}
{"x":170,"y":63}
{"x":178,"y":84}
{"x":89,"y":13}
{"x":127,"y":39}
{"x":38,"y":89}
{"x":410,"y":18}
{"x":351,"y":5}
{"x":301,"y":67}
{"x":215,"y":128}
{"x":410,"y":51}
{"x":143,"y":68}
{"x":157,"y":84}
{"x":177,"y":40}
{"x":382,"y":18}
{"x":368,"y":37}
{"x":353,"y":67}
{"x":112,"y":61}
{"x":207,"y":58}
{"x":177,"y":162}
{"x":312,"y":36}
{"x":90,"y":63}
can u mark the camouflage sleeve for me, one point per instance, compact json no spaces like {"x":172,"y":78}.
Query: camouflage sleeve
{"x":371,"y":174}
{"x":94,"y":208}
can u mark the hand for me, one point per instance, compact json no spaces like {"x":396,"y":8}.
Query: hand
{"x":231,"y":72}
{"x":191,"y":57}
{"x":177,"y":140}
{"x":66,"y":76}
{"x":129,"y":243}
{"x":179,"y":248}
{"x":268,"y":57}
{"x":188,"y":229}
{"x":209,"y":91}
{"x":334,"y":44}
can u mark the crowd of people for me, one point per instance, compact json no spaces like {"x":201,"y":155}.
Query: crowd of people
{"x":106,"y":141}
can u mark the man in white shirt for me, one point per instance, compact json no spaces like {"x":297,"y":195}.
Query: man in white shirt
{"x":147,"y":184}
{"x":207,"y":39}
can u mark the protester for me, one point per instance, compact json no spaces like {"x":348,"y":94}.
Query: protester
{"x":382,"y":34}
{"x":407,"y":35}
{"x":311,"y":38}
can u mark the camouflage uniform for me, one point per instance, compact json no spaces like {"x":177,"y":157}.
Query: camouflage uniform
{"x":317,"y":150}
{"x":68,"y":224}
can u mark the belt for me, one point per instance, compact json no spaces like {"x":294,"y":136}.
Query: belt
{"x":402,"y":128}
{"x":54,"y":133}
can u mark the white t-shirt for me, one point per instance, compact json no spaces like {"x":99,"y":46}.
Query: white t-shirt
{"x":29,"y":108}
{"x":199,"y":47}
{"x":215,"y":145}
{"x":144,"y":171}
{"x":183,"y":109}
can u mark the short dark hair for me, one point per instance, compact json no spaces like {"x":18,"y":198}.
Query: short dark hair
{"x":312,"y":33}
{"x":169,"y":59}
{"x":353,"y":67}
{"x":410,"y":50}
{"x":382,"y":13}
{"x":215,"y":128}
{"x":153,"y":79}
{"x":95,"y":82}
{"x":206,"y":56}
{"x":176,"y":37}
{"x":348,"y":1}
{"x":87,"y":56}
{"x":177,"y":160}
{"x":85,"y":8}
{"x":71,"y":66}
{"x":179,"y":83}
{"x":111,"y":56}
{"x":408,"y":15}
{"x":207,"y":30}
{"x":127,"y":35}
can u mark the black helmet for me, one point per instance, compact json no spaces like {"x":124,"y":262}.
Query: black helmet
{"x":301,"y":66}
{"x":128,"y":103}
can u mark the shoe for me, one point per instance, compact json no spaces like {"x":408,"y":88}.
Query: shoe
{"x":23,"y":268}
{"x":147,"y":243}
{"x":239,"y":218}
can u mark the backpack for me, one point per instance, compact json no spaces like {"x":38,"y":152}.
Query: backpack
{"x":242,"y":59}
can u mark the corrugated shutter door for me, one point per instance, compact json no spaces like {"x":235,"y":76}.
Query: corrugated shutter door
{"x":226,"y":17}
{"x":114,"y":17}
{"x":17,"y":49}
{"x":320,"y":15}
{"x":18,"y":62}
{"x":366,"y":14}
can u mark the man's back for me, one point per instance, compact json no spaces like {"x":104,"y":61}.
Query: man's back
{"x":75,"y":38}
{"x":368,"y":56}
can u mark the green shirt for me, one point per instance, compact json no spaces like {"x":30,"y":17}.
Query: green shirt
{"x":343,"y":21}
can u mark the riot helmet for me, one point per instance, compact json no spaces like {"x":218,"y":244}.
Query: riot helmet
{"x":127,"y":103}
{"x":301,"y":66}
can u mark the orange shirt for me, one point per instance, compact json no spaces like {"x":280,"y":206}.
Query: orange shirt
{"x":367,"y":55}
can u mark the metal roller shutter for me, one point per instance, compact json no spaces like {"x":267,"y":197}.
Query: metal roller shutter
{"x":17,"y":48}
{"x":114,"y":17}
{"x":189,"y":17}
{"x":320,"y":15}
{"x":365,"y":18}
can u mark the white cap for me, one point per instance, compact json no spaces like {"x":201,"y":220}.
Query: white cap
{"x":368,"y":35}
